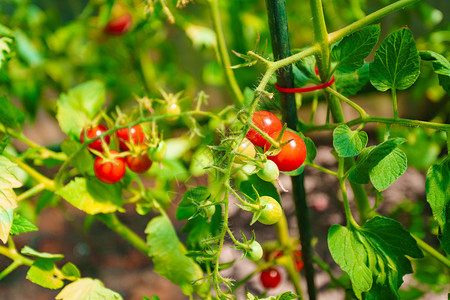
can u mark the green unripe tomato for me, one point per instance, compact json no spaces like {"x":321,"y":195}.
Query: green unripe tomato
{"x":255,"y":252}
{"x":272,"y":211}
{"x":173,"y":108}
{"x":209,"y":210}
{"x":246,"y":148}
{"x":270,"y":172}
{"x":157,"y":154}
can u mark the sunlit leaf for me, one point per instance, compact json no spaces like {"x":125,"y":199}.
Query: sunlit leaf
{"x":441,"y":66}
{"x":79,"y":106}
{"x":21,"y":225}
{"x":92,"y":196}
{"x":396,"y":63}
{"x":351,"y":51}
{"x":374,"y":256}
{"x":349,"y":143}
{"x":382,"y":165}
{"x":169,"y":255}
{"x":87,"y":289}
{"x":42,"y":273}
{"x":8,"y":198}
{"x":10,"y":115}
{"x":437,"y":187}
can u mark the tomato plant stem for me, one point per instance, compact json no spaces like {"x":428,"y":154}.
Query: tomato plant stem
{"x":394,"y":103}
{"x":432,"y":252}
{"x":48,"y":183}
{"x":339,"y":34}
{"x":285,"y":242}
{"x":358,"y":108}
{"x":114,"y":224}
{"x":9,"y":269}
{"x":31,"y":192}
{"x":223,"y":52}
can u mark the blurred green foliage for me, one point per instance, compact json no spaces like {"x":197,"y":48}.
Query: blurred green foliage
{"x":61,"y":44}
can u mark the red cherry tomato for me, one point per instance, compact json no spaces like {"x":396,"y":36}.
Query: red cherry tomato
{"x":292,"y":155}
{"x":136,"y":133}
{"x":298,"y":258}
{"x":267,"y":122}
{"x":270,"y":278}
{"x":109,"y":171}
{"x":93,"y":133}
{"x":119,"y":25}
{"x":138,"y":163}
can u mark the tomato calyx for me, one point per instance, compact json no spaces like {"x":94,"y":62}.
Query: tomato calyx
{"x":109,"y":168}
{"x":275,"y":149}
{"x":292,"y":153}
{"x":265,"y":122}
{"x":266,"y":210}
{"x":250,"y":248}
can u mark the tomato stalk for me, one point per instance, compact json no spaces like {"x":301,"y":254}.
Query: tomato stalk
{"x":224,"y":56}
{"x":280,"y":44}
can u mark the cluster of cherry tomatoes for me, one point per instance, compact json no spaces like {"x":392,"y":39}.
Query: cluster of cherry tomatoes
{"x":270,"y":278}
{"x":109,"y":165}
{"x":291,"y":156}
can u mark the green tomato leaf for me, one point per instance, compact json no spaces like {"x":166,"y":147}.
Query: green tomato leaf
{"x":6,"y":43}
{"x":8,"y":198}
{"x":200,"y":230}
{"x":42,"y":273}
{"x":284,"y":296}
{"x":83,"y":161}
{"x":374,"y":256}
{"x":27,"y":50}
{"x":349,"y":84}
{"x":396,"y":63}
{"x":311,"y":151}
{"x":249,"y":95}
{"x":69,"y":270}
{"x":21,"y":225}
{"x":304,"y":71}
{"x":349,"y":143}
{"x":10,"y":115}
{"x":201,"y":159}
{"x":389,"y":169}
{"x":92,"y":196}
{"x":187,"y":207}
{"x":441,"y":66}
{"x":437,"y":187}
{"x":6,"y":221}
{"x":351,"y":51}
{"x":349,"y":253}
{"x":80,"y":105}
{"x":31,"y":252}
{"x":87,"y":289}
{"x":3,"y":143}
{"x":444,"y":237}
{"x":382,"y":165}
{"x":169,"y":255}
{"x":264,"y":188}
{"x":169,"y":169}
